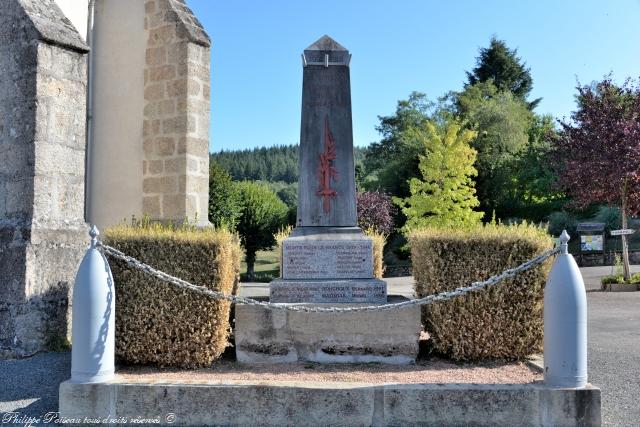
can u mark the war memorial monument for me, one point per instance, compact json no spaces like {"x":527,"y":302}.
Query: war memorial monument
{"x":327,"y":262}
{"x":327,"y":259}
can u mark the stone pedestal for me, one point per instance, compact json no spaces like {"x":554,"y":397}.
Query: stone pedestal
{"x":279,"y":336}
{"x":327,"y":265}
{"x":329,"y":291}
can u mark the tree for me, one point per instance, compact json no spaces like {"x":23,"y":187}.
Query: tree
{"x":262,"y":215}
{"x":445,"y":196}
{"x":502,"y":66}
{"x":599,"y":150}
{"x":393,"y":161}
{"x":535,"y":174}
{"x":375,"y":211}
{"x":502,"y":123}
{"x":224,"y":199}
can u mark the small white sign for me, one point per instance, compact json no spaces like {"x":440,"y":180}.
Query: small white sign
{"x":624,"y":231}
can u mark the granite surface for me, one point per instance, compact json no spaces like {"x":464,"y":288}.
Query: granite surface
{"x":328,"y":291}
{"x":327,"y":259}
{"x":326,"y":188}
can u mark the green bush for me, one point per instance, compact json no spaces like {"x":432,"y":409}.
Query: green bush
{"x":610,"y":216}
{"x":613,"y":278}
{"x":159,"y":324}
{"x":619,"y":278}
{"x":503,"y":321}
{"x":562,"y":220}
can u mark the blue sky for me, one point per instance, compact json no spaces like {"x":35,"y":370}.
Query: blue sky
{"x":398,"y":47}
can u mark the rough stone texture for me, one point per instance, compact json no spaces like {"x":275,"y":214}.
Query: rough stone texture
{"x":42,"y":152}
{"x":276,"y":336}
{"x":328,"y":291}
{"x":326,"y":109}
{"x":176,"y":114}
{"x":52,"y":25}
{"x":273,"y":403}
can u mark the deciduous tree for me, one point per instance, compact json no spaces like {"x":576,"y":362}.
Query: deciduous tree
{"x":445,"y":196}
{"x":599,"y":150}
{"x":224,"y":199}
{"x":375,"y":211}
{"x":391,"y":162}
{"x":502,"y":123}
{"x":262,"y":215}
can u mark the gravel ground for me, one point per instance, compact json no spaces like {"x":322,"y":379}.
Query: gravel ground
{"x":432,"y":371}
{"x":31,"y":385}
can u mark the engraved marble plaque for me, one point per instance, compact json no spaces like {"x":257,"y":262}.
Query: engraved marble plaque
{"x":328,"y":291}
{"x":327,"y":259}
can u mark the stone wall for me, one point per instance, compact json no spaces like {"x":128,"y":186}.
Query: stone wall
{"x":42,"y":153}
{"x":176,"y":114}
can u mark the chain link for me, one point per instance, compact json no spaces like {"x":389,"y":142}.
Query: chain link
{"x":429,"y":299}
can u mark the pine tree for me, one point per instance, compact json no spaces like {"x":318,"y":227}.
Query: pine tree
{"x":504,"y":68}
{"x":445,"y":197}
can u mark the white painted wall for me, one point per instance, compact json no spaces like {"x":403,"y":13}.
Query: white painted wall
{"x":116,"y":152}
{"x":76,"y":11}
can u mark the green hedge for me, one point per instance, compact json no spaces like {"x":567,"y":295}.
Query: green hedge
{"x":159,"y":324}
{"x":504,"y":321}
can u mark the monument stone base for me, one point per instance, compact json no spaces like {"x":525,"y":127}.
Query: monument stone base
{"x":327,"y":265}
{"x":307,"y":403}
{"x":279,"y":336}
{"x":329,"y":291}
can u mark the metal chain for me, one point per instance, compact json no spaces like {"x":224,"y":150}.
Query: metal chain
{"x":429,"y":299}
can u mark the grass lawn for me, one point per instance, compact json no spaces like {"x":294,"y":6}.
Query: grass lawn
{"x":267,"y":266}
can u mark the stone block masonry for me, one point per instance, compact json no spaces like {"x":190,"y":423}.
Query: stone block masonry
{"x":176,"y":114}
{"x":42,"y":157}
{"x":278,"y":403}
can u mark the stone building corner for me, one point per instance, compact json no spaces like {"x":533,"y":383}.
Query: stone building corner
{"x":176,"y":114}
{"x":42,"y":161}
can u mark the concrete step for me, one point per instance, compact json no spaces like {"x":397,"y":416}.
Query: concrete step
{"x":273,"y":403}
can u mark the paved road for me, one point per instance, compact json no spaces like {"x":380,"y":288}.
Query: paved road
{"x":614,"y":354}
{"x":31,"y":386}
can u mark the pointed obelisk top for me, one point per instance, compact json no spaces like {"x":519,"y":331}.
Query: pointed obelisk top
{"x":326,"y":43}
{"x":325,"y":52}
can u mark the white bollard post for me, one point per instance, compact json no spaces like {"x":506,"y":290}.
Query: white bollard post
{"x":93,"y":321}
{"x":565,"y":323}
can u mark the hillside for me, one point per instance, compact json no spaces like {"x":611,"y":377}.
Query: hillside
{"x":273,"y":164}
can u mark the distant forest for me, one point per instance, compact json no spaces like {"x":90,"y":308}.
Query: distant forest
{"x":273,"y":164}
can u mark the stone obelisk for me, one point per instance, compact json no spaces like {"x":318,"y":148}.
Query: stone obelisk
{"x":327,"y":187}
{"x":327,"y":258}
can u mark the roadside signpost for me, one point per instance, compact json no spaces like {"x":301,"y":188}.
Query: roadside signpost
{"x":623,"y":232}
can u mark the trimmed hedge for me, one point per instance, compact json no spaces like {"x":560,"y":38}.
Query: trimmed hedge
{"x":503,"y":321}
{"x":159,"y":324}
{"x":379,"y":240}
